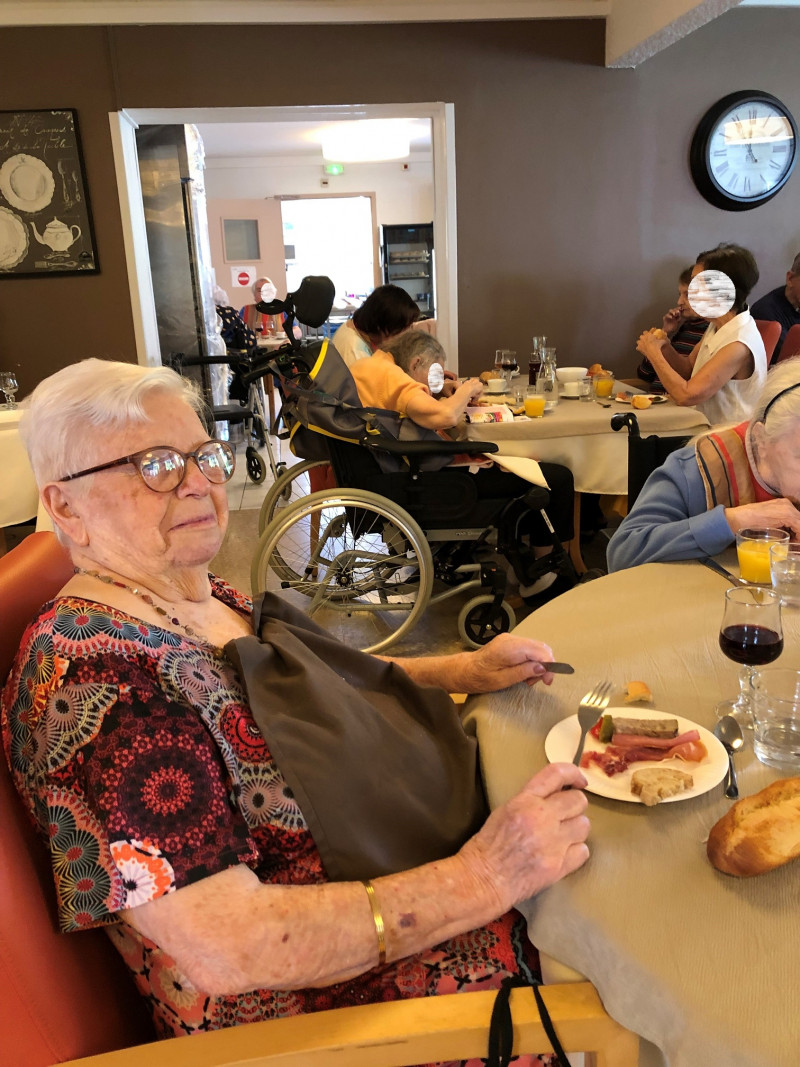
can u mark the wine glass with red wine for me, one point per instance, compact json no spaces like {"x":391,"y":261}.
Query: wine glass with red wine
{"x":509,"y":364}
{"x":750,"y":634}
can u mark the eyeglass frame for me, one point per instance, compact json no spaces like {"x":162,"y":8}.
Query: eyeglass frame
{"x":135,"y":457}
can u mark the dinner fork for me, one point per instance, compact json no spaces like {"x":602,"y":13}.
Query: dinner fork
{"x":595,"y":701}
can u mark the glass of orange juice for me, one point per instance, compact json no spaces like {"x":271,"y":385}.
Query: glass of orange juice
{"x":752,"y":548}
{"x":603,"y":384}
{"x":534,"y":404}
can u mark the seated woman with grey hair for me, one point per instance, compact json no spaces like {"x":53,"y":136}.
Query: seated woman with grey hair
{"x":405,"y":375}
{"x":212,"y":783}
{"x":748,"y":475}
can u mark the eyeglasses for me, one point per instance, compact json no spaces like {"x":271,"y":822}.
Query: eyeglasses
{"x":163,"y":469}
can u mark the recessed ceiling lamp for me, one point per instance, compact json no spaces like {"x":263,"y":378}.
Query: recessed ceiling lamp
{"x":366,"y":141}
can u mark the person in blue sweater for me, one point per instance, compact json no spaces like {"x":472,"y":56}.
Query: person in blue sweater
{"x":728,"y":480}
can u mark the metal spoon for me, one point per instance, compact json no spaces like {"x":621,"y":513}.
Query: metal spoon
{"x":729,"y":732}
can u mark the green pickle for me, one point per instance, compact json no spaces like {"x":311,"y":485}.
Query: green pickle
{"x":606,"y":729}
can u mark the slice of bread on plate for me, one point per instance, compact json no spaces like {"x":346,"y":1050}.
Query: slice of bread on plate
{"x":654,"y":784}
{"x":759,"y":833}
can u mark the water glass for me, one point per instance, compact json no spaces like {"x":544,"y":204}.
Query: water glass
{"x":776,"y":711}
{"x":8,"y":386}
{"x":585,"y":389}
{"x":784,"y":566}
{"x":752,"y":549}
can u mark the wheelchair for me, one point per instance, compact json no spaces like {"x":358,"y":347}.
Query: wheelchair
{"x":367,"y":558}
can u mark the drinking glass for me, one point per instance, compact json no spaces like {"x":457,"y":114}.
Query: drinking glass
{"x":585,"y":388}
{"x":750,"y":634}
{"x":603,"y":385}
{"x":752,"y":549}
{"x":776,"y":711}
{"x":534,"y":403}
{"x":784,"y":565}
{"x":509,"y":364}
{"x":8,"y":386}
{"x":535,"y":362}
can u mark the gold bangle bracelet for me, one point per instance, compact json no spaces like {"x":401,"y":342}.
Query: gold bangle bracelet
{"x":377,"y":918}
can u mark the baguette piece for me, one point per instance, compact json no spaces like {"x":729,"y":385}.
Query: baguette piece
{"x":759,"y":833}
{"x":654,"y":784}
{"x":646,"y":727}
{"x":636,"y":692}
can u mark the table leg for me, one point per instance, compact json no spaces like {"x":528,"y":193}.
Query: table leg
{"x":574,"y":546}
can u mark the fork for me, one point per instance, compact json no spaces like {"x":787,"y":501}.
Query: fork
{"x":595,"y":701}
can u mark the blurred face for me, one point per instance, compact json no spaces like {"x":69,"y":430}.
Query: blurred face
{"x":133,"y":529}
{"x":793,"y":289}
{"x":711,"y":293}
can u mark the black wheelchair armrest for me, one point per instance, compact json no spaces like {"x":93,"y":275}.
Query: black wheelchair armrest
{"x":626,"y":418}
{"x":430,"y":448}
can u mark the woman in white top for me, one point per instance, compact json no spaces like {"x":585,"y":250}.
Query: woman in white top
{"x":723,"y":374}
{"x":387,"y":312}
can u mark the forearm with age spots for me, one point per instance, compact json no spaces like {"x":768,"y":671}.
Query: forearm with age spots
{"x":230,"y":933}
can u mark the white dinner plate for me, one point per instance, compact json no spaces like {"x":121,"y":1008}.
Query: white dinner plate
{"x":13,"y":239}
{"x":26,"y":182}
{"x":657,"y":398}
{"x":561,"y":742}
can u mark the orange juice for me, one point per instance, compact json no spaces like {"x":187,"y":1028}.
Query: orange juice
{"x":603,"y":385}
{"x":534,"y":406}
{"x":754,"y":561}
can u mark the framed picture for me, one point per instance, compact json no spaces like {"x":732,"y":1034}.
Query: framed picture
{"x":45,"y":219}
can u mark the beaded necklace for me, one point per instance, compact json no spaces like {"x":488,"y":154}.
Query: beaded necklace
{"x":108,"y":580}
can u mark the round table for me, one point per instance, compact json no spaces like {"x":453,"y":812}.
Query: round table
{"x":19,"y":497}
{"x":703,"y":965}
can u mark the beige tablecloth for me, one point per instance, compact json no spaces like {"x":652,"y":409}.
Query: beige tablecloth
{"x":579,"y":435}
{"x":18,"y":496}
{"x":705,"y":966}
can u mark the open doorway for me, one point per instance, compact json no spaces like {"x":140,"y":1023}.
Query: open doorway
{"x":123,"y":125}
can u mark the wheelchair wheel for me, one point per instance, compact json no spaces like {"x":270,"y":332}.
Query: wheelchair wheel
{"x":354,"y":561}
{"x":291,"y":485}
{"x":478,"y":624}
{"x":256,"y":467}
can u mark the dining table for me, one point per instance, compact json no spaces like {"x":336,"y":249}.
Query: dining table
{"x":19,"y":497}
{"x":579,"y":435}
{"x":703,"y":965}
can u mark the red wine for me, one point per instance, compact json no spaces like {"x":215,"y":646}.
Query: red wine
{"x":753,"y":645}
{"x":534,"y":366}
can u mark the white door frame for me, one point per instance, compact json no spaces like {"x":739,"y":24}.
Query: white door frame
{"x":124,"y":124}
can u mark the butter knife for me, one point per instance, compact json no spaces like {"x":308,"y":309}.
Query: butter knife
{"x":559,"y":668}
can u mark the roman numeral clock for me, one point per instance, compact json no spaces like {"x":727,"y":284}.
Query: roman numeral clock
{"x":743,"y":150}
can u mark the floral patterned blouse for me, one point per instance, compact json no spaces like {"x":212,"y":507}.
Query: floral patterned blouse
{"x":136,"y":753}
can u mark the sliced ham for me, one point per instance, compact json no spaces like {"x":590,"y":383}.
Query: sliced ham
{"x":615,"y":759}
{"x":637,"y":740}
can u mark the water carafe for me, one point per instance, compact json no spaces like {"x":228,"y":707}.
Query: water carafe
{"x":547,"y":381}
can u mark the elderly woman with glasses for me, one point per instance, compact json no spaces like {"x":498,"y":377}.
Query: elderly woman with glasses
{"x":170,"y":820}
{"x":729,"y":480}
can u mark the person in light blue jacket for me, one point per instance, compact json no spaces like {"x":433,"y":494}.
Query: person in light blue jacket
{"x":731,"y":479}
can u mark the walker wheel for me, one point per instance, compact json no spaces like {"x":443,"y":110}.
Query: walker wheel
{"x":478,"y":623}
{"x":256,"y":467}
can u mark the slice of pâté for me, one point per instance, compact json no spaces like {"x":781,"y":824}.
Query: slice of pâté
{"x":646,"y":727}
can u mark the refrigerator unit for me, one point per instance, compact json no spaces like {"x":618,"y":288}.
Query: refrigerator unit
{"x":407,"y":253}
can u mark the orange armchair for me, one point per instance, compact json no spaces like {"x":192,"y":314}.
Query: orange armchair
{"x":770,"y":335}
{"x":69,"y":996}
{"x":791,"y":344}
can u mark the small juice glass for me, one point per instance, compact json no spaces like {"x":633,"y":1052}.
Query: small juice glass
{"x":752,"y":549}
{"x":603,"y":384}
{"x":534,"y":405}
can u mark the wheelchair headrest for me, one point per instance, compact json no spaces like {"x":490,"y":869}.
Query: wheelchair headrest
{"x":310,"y":304}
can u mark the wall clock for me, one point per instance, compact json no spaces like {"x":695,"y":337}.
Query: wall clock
{"x":743,"y":150}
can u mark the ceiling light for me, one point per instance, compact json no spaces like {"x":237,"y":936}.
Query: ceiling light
{"x":366,"y":141}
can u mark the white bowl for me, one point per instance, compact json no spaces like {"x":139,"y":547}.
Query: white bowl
{"x":571,"y":374}
{"x":496,"y":385}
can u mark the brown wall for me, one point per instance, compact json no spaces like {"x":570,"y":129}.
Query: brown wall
{"x":576,"y":210}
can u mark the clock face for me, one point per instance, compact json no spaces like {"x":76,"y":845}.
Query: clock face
{"x":744,"y":150}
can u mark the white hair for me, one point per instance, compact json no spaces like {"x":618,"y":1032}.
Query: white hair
{"x":784,"y":414}
{"x":68,"y":413}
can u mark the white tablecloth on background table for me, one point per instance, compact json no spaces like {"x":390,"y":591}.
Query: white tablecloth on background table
{"x":579,"y":435}
{"x":704,"y":965}
{"x":19,"y":498}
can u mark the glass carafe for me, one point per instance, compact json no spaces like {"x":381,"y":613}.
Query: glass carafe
{"x":546,"y":380}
